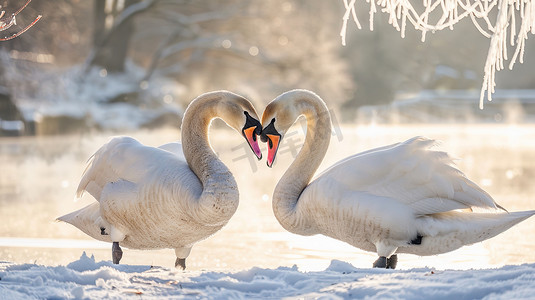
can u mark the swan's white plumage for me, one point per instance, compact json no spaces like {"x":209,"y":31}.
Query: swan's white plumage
{"x":124,"y":158}
{"x":382,"y":199}
{"x":167,"y":197}
{"x":412,"y":173}
{"x":396,"y":193}
{"x":130,"y":180}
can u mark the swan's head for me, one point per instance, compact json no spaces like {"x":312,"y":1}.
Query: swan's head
{"x":250,"y":131}
{"x":277,"y":118}
{"x":240,"y":114}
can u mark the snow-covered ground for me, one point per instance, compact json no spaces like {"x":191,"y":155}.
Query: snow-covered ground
{"x":86,"y":278}
{"x":252,"y":257}
{"x":94,"y":98}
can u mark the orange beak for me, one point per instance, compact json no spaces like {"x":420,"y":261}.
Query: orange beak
{"x":273,"y":146}
{"x":250,"y":136}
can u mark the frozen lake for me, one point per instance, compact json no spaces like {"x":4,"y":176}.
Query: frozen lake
{"x":39,"y":175}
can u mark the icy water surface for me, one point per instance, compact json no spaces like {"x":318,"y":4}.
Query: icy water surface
{"x":39,"y":176}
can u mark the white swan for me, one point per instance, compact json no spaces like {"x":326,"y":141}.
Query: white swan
{"x":401,"y":198}
{"x":167,"y":197}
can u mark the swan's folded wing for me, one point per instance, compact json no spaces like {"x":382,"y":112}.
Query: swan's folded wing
{"x":412,"y":173}
{"x":343,"y":161}
{"x":175,"y":148}
{"x":122,"y":158}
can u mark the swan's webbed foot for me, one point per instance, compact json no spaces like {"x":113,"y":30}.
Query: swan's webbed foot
{"x":392,"y":262}
{"x":380,"y":262}
{"x":386,"y":263}
{"x":116,"y":253}
{"x":180,"y":262}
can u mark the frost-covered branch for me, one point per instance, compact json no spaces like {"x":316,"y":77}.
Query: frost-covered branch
{"x":448,"y":12}
{"x":12,"y":20}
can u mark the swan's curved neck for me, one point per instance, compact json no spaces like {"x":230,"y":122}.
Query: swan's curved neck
{"x":219,"y":198}
{"x":301,"y":171}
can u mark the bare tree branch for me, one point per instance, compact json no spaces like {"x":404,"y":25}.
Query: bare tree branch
{"x":158,"y":54}
{"x":4,"y":25}
{"x":22,"y":31}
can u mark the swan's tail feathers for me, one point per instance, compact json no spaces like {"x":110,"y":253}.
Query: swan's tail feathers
{"x":510,"y":219}
{"x":89,"y":221}
{"x":478,"y":227}
{"x":444,"y":232}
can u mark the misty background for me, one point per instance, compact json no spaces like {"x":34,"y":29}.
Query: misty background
{"x":126,"y":64}
{"x":88,"y":70}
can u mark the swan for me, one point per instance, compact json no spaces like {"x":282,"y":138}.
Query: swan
{"x":400,"y":198}
{"x":167,"y":197}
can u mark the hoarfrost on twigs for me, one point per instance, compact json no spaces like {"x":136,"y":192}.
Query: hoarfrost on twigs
{"x":440,"y":14}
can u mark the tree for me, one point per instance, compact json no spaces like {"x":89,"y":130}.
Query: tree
{"x":173,"y":51}
{"x":210,"y":45}
{"x":113,"y":29}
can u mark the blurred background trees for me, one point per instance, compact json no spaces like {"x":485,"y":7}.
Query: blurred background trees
{"x":151,"y":54}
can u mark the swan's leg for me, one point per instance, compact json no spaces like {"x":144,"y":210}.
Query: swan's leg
{"x":387,"y":263}
{"x":380,"y":262}
{"x":392,"y":262}
{"x":116,"y":253}
{"x":181,"y":255}
{"x":116,"y":236}
{"x":112,"y":195}
{"x":384,"y":250}
{"x":180,"y":262}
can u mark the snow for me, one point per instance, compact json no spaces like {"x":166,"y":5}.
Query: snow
{"x":11,"y":125}
{"x":86,"y":278}
{"x":253,"y":256}
{"x":109,"y":101}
